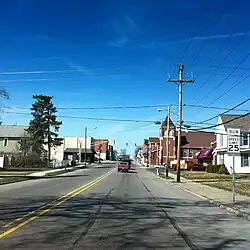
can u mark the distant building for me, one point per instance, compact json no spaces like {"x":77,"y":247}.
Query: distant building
{"x":101,"y":148}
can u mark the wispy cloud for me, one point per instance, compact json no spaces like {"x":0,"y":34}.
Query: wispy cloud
{"x":119,"y":42}
{"x":77,"y":66}
{"x":46,"y":37}
{"x":131,"y":23}
{"x":125,"y":28}
{"x":152,"y":44}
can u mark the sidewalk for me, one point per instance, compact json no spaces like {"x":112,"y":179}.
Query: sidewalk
{"x":216,"y":196}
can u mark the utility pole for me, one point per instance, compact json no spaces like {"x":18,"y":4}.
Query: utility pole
{"x":180,"y":82}
{"x":80,"y":150}
{"x":85,"y":147}
{"x":168,"y":124}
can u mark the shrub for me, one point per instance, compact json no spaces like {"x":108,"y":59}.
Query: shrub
{"x":212,"y":168}
{"x":29,"y":161}
{"x":217,"y":169}
{"x":223,"y":169}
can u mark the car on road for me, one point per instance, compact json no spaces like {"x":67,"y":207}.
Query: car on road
{"x":122,"y":166}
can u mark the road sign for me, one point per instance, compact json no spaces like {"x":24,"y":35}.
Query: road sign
{"x":233,"y":140}
{"x":233,"y":146}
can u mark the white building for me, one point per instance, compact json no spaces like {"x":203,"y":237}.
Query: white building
{"x":242,"y":159}
{"x":72,"y":146}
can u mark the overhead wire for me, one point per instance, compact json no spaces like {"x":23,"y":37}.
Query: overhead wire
{"x":228,"y":75}
{"x":233,"y":108}
{"x":233,"y":119}
{"x":89,"y":118}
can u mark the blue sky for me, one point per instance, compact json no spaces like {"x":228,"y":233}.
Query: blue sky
{"x":121,"y":53}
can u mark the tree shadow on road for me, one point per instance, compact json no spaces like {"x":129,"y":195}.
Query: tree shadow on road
{"x":101,"y":221}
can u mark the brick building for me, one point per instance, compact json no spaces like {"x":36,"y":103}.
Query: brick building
{"x":191,"y":144}
{"x":101,"y":148}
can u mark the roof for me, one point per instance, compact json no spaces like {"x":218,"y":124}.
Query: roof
{"x":76,"y":150}
{"x":154,"y":139}
{"x":243,"y":123}
{"x":165,"y":123}
{"x":197,"y":139}
{"x":12,"y":131}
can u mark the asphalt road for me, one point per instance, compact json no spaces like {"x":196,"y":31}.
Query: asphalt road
{"x":134,"y":210}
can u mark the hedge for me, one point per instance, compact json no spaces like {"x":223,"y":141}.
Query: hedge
{"x":218,"y":169}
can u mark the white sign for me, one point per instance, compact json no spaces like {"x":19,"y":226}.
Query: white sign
{"x":233,"y":140}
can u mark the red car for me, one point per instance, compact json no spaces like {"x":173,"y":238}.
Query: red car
{"x":190,"y":166}
{"x":122,"y":166}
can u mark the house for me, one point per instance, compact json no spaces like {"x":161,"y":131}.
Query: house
{"x":101,"y":148}
{"x":196,"y":144}
{"x":9,"y":138}
{"x":242,"y":159}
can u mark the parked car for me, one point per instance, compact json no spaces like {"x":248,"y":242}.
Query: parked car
{"x":191,"y":166}
{"x":122,"y":166}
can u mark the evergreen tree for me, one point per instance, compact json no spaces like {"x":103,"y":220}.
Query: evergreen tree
{"x":44,"y":125}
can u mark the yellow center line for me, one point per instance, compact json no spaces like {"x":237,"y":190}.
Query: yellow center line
{"x":53,"y":205}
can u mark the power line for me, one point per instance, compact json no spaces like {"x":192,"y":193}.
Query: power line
{"x":96,"y":108}
{"x":212,"y":118}
{"x":206,"y":40}
{"x":211,"y":107}
{"x":224,"y":59}
{"x":226,"y":92}
{"x":221,"y":82}
{"x":236,"y":118}
{"x":89,"y":118}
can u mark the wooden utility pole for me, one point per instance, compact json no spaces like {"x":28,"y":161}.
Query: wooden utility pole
{"x":85,"y":146}
{"x":167,"y":146}
{"x":180,"y":82}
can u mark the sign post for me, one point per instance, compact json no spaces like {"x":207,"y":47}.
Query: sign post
{"x":233,"y":146}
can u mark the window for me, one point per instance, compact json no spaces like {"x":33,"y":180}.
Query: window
{"x":245,"y":139}
{"x":221,"y":140}
{"x":184,"y":152}
{"x":245,"y":160}
{"x":5,"y":142}
{"x":190,"y":153}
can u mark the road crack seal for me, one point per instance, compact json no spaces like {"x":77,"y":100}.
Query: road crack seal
{"x":90,"y":222}
{"x":172,"y":220}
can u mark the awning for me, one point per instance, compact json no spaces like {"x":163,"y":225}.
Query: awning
{"x":205,"y":153}
{"x":76,"y":150}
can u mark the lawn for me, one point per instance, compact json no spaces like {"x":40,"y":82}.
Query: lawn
{"x":163,"y":175}
{"x":242,"y":187}
{"x":7,"y":180}
{"x":221,"y":181}
{"x":211,"y":176}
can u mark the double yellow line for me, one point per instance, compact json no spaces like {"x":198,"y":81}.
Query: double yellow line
{"x":47,"y":207}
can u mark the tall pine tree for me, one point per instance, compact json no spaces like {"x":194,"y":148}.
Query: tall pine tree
{"x":44,"y":125}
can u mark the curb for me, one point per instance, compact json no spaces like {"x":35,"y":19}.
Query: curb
{"x":236,"y":211}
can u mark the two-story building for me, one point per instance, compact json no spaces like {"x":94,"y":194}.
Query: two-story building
{"x":242,"y":159}
{"x":10,"y":135}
